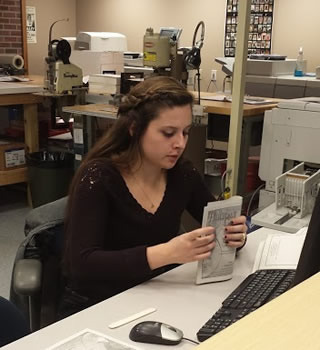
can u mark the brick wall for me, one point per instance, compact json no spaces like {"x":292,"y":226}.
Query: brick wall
{"x":10,"y":27}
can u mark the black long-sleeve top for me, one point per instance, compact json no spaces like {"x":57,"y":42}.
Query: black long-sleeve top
{"x":108,"y":230}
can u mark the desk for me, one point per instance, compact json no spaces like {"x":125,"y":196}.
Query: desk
{"x":22,"y":94}
{"x":178,"y":300}
{"x":289,"y":322}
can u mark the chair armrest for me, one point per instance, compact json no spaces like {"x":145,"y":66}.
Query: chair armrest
{"x":27,"y":276}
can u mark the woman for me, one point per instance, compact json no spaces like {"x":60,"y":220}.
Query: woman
{"x":128,"y":196}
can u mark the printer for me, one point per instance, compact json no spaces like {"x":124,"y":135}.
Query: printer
{"x":101,"y":41}
{"x":290,"y":161}
{"x":99,"y":52}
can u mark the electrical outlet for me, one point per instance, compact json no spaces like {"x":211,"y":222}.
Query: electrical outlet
{"x":213,"y":75}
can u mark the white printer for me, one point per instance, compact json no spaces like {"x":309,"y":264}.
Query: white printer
{"x":101,"y":41}
{"x":290,"y":136}
{"x":99,"y":52}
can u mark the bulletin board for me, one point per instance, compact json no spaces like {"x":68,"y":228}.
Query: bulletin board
{"x":260,"y":30}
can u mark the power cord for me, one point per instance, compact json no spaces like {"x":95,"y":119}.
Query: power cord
{"x":251,"y":199}
{"x":212,"y":81}
{"x":192,"y":341}
{"x":222,"y":182}
{"x":198,"y":78}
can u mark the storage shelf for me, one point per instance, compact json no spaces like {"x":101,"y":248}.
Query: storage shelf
{"x":9,"y":177}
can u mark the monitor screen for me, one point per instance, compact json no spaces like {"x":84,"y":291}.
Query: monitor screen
{"x":309,"y":262}
{"x":173,"y":33}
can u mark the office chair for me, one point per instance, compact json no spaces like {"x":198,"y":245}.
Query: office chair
{"x":36,"y":277}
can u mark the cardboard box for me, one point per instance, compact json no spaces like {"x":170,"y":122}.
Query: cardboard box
{"x":12,"y":155}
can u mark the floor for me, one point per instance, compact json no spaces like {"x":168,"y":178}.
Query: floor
{"x":13,"y":210}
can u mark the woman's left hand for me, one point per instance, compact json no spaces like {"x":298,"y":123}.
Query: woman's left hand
{"x":236,"y":233}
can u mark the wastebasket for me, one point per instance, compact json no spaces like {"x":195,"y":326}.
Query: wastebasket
{"x":49,"y":175}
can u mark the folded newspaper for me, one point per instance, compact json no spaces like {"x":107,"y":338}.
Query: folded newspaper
{"x":219,"y":266}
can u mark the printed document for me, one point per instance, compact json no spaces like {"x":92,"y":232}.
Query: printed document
{"x":280,"y":251}
{"x":91,"y":340}
{"x":219,"y":266}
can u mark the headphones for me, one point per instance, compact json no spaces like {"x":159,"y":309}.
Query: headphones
{"x":192,"y":59}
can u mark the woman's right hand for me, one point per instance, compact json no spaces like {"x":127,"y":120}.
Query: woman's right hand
{"x":191,"y":246}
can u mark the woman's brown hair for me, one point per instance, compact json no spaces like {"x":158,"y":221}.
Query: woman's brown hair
{"x":121,"y":144}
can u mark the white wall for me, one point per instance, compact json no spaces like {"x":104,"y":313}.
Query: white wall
{"x":48,"y":11}
{"x":296,"y":23}
{"x":131,"y":18}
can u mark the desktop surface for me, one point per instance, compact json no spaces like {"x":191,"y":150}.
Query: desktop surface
{"x":179,"y":302}
{"x":223,"y":107}
{"x":290,"y":321}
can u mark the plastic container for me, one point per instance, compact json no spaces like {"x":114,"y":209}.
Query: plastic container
{"x":214,"y":166}
{"x":298,"y":72}
{"x":49,"y":175}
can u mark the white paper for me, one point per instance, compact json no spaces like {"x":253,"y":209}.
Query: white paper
{"x":280,"y":251}
{"x":78,"y":136}
{"x":219,"y":266}
{"x":12,"y":78}
{"x":65,"y":136}
{"x":14,"y":157}
{"x":31,"y":24}
{"x":222,"y":98}
{"x":251,"y":100}
{"x":91,"y":340}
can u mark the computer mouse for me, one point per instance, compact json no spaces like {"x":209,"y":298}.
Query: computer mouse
{"x":155,"y":333}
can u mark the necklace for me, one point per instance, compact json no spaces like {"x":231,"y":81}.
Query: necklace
{"x":144,"y":192}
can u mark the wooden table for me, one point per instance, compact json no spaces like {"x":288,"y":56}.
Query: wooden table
{"x":22,"y":94}
{"x":223,"y":107}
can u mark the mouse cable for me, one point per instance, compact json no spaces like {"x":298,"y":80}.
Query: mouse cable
{"x":190,"y":340}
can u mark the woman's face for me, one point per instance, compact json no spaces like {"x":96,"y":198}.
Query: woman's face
{"x":166,"y":137}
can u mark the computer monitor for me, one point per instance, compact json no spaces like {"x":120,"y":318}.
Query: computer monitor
{"x":309,"y":261}
{"x":172,"y":33}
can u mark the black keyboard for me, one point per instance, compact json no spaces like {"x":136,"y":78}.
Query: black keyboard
{"x":257,"y":289}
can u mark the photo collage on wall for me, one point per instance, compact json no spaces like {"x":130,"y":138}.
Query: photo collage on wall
{"x":261,"y":18}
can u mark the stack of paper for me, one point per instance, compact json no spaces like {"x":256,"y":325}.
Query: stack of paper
{"x":106,"y":83}
{"x":280,"y":251}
